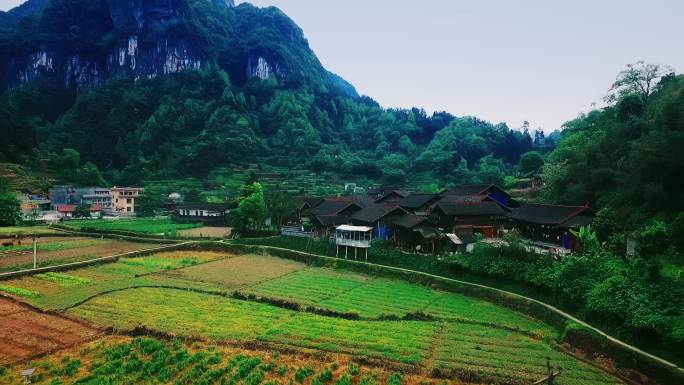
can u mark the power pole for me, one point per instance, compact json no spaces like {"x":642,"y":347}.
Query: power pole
{"x":35,"y":253}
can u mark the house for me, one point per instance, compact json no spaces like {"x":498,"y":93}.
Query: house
{"x":420,"y":203}
{"x":67,"y":195}
{"x":207,"y":213}
{"x":329,"y":213}
{"x":99,"y":196}
{"x":392,"y":197}
{"x":492,"y":191}
{"x":415,"y":233}
{"x":551,"y":224}
{"x":124,"y":200}
{"x":68,"y":211}
{"x":476,"y":214}
{"x":379,"y":217}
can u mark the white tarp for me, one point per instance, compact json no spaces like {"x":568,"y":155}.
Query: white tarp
{"x":361,"y":229}
{"x":455,"y":239}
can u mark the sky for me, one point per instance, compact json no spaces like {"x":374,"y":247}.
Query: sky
{"x":503,"y":61}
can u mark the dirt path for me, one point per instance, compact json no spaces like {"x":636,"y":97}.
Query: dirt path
{"x":27,"y":333}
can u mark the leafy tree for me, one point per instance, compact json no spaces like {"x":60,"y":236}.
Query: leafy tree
{"x":82,"y":211}
{"x":639,"y":79}
{"x":531,"y":161}
{"x":89,"y":175}
{"x":251,"y":211}
{"x":10,"y":209}
{"x":281,"y":205}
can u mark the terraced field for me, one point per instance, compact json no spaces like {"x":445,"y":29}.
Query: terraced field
{"x":288,"y":305}
{"x":143,"y":226}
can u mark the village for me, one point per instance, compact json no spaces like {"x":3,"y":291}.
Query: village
{"x":452,"y":220}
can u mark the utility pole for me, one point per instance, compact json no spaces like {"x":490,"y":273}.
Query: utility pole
{"x":35,"y":253}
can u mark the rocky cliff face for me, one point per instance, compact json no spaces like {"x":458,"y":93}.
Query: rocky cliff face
{"x":127,"y":57}
{"x":84,"y":43}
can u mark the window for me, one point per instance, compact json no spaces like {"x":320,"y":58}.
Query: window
{"x":128,"y":209}
{"x":128,"y":201}
{"x":201,"y":213}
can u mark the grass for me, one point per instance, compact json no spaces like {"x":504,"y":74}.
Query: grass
{"x":64,"y":280}
{"x":21,"y":292}
{"x":143,"y":226}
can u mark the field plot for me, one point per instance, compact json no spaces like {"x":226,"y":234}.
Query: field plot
{"x":26,"y":333}
{"x":310,"y":286}
{"x":229,"y":319}
{"x":207,"y":232}
{"x":143,"y":226}
{"x":120,"y":360}
{"x":238,"y":271}
{"x":501,"y":356}
{"x":56,"y":251}
{"x":50,"y":294}
{"x":374,"y":297}
{"x":6,"y":232}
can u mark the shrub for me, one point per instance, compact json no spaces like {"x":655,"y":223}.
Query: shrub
{"x":344,"y":380}
{"x":303,"y":373}
{"x":395,"y":379}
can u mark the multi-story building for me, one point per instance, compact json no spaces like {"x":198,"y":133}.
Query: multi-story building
{"x":101,"y":197}
{"x":124,"y":199}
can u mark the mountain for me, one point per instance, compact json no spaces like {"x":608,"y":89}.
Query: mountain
{"x":153,"y":89}
{"x":85,"y":43}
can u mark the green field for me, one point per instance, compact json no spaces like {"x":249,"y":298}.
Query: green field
{"x":26,"y":230}
{"x":187,"y":294}
{"x":143,"y":226}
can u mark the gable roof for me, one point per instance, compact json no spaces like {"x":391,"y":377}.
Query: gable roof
{"x":409,"y":221}
{"x":461,"y":208}
{"x":375,"y":212}
{"x":476,"y":189}
{"x":332,"y":220}
{"x":552,"y":214}
{"x":332,"y":207}
{"x":398,"y":193}
{"x":310,"y":202}
{"x":418,"y":200}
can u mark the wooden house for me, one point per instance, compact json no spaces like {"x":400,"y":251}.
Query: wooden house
{"x":476,"y":214}
{"x":378,"y":216}
{"x":420,"y":204}
{"x":492,"y":191}
{"x":392,"y":197}
{"x":551,"y":223}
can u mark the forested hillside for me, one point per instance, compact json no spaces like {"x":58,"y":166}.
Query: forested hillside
{"x":627,"y":157}
{"x":258,"y":95}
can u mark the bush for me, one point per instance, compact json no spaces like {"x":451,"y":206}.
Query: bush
{"x":303,"y":373}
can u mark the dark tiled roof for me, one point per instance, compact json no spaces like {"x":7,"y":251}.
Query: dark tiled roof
{"x":332,"y":220}
{"x":399,"y":193}
{"x":409,"y":221}
{"x":375,"y":212}
{"x":469,"y":189}
{"x":332,"y":207}
{"x":418,"y":200}
{"x":219,"y":207}
{"x":470,"y":208}
{"x":310,"y":202}
{"x":549,"y":214}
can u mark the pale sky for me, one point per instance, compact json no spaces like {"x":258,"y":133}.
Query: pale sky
{"x":504,"y":61}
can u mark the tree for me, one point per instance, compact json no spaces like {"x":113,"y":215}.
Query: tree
{"x":82,"y":211}
{"x":89,"y":175}
{"x":251,"y":212}
{"x":530,"y":161}
{"x":151,"y":201}
{"x":282,"y":206}
{"x":10,"y":209}
{"x":639,"y":78}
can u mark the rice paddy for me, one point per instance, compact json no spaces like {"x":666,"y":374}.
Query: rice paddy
{"x":144,"y":226}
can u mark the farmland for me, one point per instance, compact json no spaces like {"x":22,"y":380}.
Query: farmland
{"x":143,"y":226}
{"x":59,"y":250}
{"x":190,"y":295}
